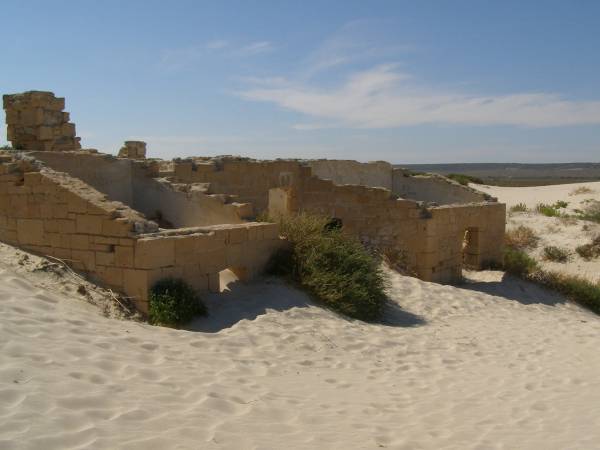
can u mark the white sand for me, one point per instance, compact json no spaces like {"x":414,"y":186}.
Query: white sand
{"x":567,"y":234}
{"x":533,"y":195}
{"x":455,"y":368}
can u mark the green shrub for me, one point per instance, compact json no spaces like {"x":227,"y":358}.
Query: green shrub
{"x":173,"y":302}
{"x":519,"y":207}
{"x":591,"y":250}
{"x":556,"y":254}
{"x":560,"y":204}
{"x":590,"y":212}
{"x":331,"y":265}
{"x":518,"y":262}
{"x":552,"y":210}
{"x":464,"y":179}
{"x":521,"y":238}
{"x":576,"y":289}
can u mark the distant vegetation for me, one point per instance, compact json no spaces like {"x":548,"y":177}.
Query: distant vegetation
{"x":552,"y":210}
{"x":519,"y":207}
{"x":556,"y":254}
{"x":591,"y":250}
{"x":173,"y":303}
{"x":464,"y":179}
{"x":577,"y":289}
{"x":521,"y":238}
{"x":581,"y":190}
{"x":515,"y":174}
{"x":334,"y":267}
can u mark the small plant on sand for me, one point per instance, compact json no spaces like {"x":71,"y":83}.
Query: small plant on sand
{"x":551,"y":210}
{"x":576,"y":289}
{"x":581,"y":190}
{"x":518,"y":262}
{"x":519,"y":207}
{"x":333,"y":266}
{"x":521,"y":238}
{"x":591,"y":250}
{"x":173,"y":302}
{"x":464,"y":179}
{"x":591,"y":211}
{"x":556,"y":254}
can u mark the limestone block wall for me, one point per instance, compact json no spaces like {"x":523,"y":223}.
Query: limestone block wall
{"x":434,"y":188}
{"x":374,"y":174}
{"x":133,"y":150}
{"x":429,"y":241}
{"x":459,"y":236}
{"x":36,"y":121}
{"x":197,"y":255}
{"x":249,"y":180}
{"x":54,"y":214}
{"x":107,"y":174}
{"x":134,"y":183}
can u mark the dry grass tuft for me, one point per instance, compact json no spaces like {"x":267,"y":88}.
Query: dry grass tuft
{"x":521,"y":238}
{"x":581,"y":190}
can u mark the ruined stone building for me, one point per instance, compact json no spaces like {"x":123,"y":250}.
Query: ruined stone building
{"x":129,"y":221}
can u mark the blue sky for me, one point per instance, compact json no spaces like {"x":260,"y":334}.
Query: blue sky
{"x":407,"y":82}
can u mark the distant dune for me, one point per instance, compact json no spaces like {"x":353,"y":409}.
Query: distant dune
{"x":515,"y":174}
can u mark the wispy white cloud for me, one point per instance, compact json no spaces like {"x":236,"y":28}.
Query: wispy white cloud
{"x":179,"y":58}
{"x":355,"y":42}
{"x":385,"y":97}
{"x":255,"y":48}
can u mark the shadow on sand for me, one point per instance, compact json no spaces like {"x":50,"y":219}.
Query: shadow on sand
{"x":246,"y":301}
{"x":513,"y":288}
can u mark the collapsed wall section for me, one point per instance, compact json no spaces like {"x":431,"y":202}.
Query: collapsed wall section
{"x":36,"y":121}
{"x":434,"y":189}
{"x":54,"y":214}
{"x":428,"y":242}
{"x":249,"y":180}
{"x":135,"y":184}
{"x":372,"y":174}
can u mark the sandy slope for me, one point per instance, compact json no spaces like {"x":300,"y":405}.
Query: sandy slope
{"x":568,"y":234}
{"x":456,"y":367}
{"x":533,"y":195}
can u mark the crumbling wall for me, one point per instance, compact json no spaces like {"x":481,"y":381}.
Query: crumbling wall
{"x":36,"y":121}
{"x":133,"y":150}
{"x":133,"y":183}
{"x":54,"y":214}
{"x":434,"y":188}
{"x":428,"y":242}
{"x":373,"y":174}
{"x":249,"y":180}
{"x":197,"y":255}
{"x":107,"y":174}
{"x":184,"y":205}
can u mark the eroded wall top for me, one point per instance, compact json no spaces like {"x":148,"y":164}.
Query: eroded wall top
{"x":36,"y":121}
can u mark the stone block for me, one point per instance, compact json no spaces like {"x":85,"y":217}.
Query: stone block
{"x":105,"y":258}
{"x":88,"y":224}
{"x":30,"y":231}
{"x":84,"y":260}
{"x":124,"y":256}
{"x":154,"y":253}
{"x":118,"y":227}
{"x":80,"y":242}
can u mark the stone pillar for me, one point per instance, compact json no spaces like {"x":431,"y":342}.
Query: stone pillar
{"x":36,"y":121}
{"x":133,"y":150}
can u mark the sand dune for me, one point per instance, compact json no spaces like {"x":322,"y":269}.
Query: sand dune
{"x":567,"y":234}
{"x":495,"y":363}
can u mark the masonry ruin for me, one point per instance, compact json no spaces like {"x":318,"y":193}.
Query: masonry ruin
{"x":129,"y":221}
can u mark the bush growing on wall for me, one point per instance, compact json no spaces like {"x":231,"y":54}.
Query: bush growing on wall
{"x":334,"y":267}
{"x":173,"y":302}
